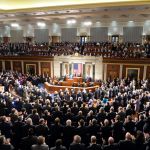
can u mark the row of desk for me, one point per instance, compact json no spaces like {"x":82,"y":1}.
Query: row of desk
{"x":53,"y":88}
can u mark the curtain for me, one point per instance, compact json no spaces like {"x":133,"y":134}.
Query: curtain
{"x":99,"y":34}
{"x":16,"y":36}
{"x":41,"y":35}
{"x":132,"y":34}
{"x":69,"y":34}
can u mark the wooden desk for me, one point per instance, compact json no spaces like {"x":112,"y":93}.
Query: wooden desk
{"x":53,"y":88}
{"x":77,"y":79}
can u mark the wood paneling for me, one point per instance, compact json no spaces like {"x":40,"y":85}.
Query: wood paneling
{"x":127,"y":60}
{"x":148,"y":72}
{"x":46,"y":68}
{"x":7,"y":65}
{"x":29,"y":58}
{"x":113,"y":71}
{"x":1,"y":68}
{"x":133,"y":66}
{"x":55,"y":39}
{"x":31,"y":63}
{"x":6,"y":39}
{"x":17,"y":66}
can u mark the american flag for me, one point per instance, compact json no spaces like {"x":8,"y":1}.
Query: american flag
{"x":77,"y":69}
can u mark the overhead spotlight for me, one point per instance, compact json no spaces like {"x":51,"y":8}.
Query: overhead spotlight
{"x":14,"y":25}
{"x":41,"y":24}
{"x":87,"y":23}
{"x":71,"y":21}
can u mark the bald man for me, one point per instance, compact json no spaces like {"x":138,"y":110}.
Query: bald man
{"x":93,"y":144}
{"x":128,"y":143}
{"x":76,"y":144}
{"x":111,"y":145}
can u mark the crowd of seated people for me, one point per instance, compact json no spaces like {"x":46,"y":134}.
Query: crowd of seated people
{"x":114,"y":117}
{"x":104,"y":49}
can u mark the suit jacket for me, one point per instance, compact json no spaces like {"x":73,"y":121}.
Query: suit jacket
{"x":126,"y":145}
{"x":6,"y":147}
{"x":94,"y":147}
{"x":58,"y":148}
{"x":111,"y":147}
{"x":74,"y":146}
{"x":27,"y":142}
{"x":40,"y":147}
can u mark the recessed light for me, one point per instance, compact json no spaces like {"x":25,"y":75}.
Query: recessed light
{"x":71,"y":21}
{"x":41,"y":24}
{"x":14,"y":25}
{"x":87,"y":23}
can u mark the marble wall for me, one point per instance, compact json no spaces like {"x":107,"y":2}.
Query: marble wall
{"x":60,"y":61}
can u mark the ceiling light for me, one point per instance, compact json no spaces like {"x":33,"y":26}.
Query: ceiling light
{"x":41,"y":24}
{"x":71,"y":21}
{"x":14,"y":25}
{"x":87,"y":23}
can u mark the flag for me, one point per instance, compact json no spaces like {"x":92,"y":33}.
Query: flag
{"x":77,"y":69}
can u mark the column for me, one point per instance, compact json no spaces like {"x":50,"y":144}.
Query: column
{"x":11,"y":65}
{"x":144,"y":72}
{"x":52,"y":69}
{"x":70,"y":69}
{"x":22,"y":66}
{"x":3,"y":65}
{"x":105,"y":72}
{"x":121,"y":68}
{"x":84,"y":71}
{"x":60,"y":69}
{"x":93,"y":64}
{"x":39,"y":67}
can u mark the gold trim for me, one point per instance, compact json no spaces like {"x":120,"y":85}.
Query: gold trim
{"x":133,"y":69}
{"x":79,"y":6}
{"x":30,"y":65}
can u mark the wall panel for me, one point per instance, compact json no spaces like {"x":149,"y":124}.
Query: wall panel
{"x":46,"y":68}
{"x":7,"y":65}
{"x":113,"y":71}
{"x":17,"y":66}
{"x":41,"y":35}
{"x":69,"y":34}
{"x":16,"y":36}
{"x":148,"y":72}
{"x":99,"y":34}
{"x":132,"y":34}
{"x":133,"y":66}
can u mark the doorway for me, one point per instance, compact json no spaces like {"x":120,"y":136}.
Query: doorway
{"x":83,"y":39}
{"x":115,"y":38}
{"x":148,"y":38}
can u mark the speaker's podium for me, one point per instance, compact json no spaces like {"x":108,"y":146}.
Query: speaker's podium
{"x":77,"y":79}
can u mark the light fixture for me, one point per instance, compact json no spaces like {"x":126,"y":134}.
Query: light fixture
{"x":14,"y":25}
{"x":71,"y":21}
{"x":87,"y":23}
{"x":41,"y":24}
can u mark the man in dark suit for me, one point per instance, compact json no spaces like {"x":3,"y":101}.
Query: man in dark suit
{"x":68,"y":133}
{"x":94,"y":145}
{"x":81,"y":130}
{"x":111,"y":145}
{"x":28,"y":141}
{"x":5,"y":145}
{"x":117,"y":129}
{"x":127,"y":144}
{"x":6,"y":127}
{"x":40,"y":144}
{"x":42,"y":128}
{"x":76,"y":144}
{"x":58,"y":146}
{"x":56,"y":131}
